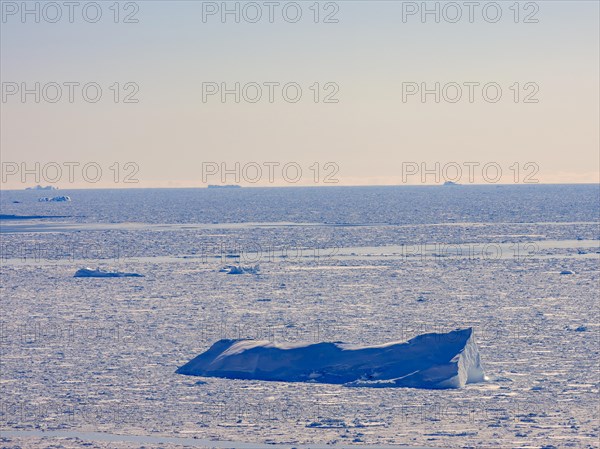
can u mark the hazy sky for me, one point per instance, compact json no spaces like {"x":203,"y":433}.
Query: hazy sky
{"x":370,"y":136}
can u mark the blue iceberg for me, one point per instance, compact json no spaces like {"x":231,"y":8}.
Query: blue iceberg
{"x":434,"y":360}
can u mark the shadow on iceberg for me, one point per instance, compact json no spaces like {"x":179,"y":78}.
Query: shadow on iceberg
{"x":436,"y":360}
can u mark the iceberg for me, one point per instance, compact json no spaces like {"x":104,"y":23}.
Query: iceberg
{"x":39,"y":187}
{"x":240,"y":269}
{"x":433,"y":361}
{"x":98,"y":273}
{"x":55,"y":199}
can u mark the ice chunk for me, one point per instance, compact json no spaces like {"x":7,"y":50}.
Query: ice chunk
{"x":240,"y":269}
{"x":435,"y":360}
{"x":98,"y":273}
{"x":55,"y":199}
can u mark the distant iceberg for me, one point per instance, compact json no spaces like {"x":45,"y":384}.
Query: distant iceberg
{"x":98,"y":273}
{"x":63,"y":198}
{"x":433,"y":361}
{"x":240,"y":269}
{"x":39,"y":187}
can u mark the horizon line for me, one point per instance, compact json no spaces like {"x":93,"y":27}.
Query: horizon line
{"x":236,"y":186}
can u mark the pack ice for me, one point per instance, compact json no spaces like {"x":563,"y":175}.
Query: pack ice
{"x":434,"y":360}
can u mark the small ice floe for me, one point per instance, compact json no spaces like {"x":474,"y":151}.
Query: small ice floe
{"x":55,"y":199}
{"x":435,"y":360}
{"x":99,"y":273}
{"x":240,"y":269}
{"x":567,"y":272}
{"x":330,"y":423}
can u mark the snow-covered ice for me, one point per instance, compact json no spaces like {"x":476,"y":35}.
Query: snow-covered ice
{"x":434,"y":360}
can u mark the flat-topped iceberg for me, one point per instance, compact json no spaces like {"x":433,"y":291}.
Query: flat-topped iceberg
{"x":240,"y":269}
{"x":98,"y":273}
{"x":435,"y":360}
{"x":39,"y":187}
{"x":55,"y":199}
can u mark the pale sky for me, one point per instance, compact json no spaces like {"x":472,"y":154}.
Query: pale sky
{"x":367,"y":137}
